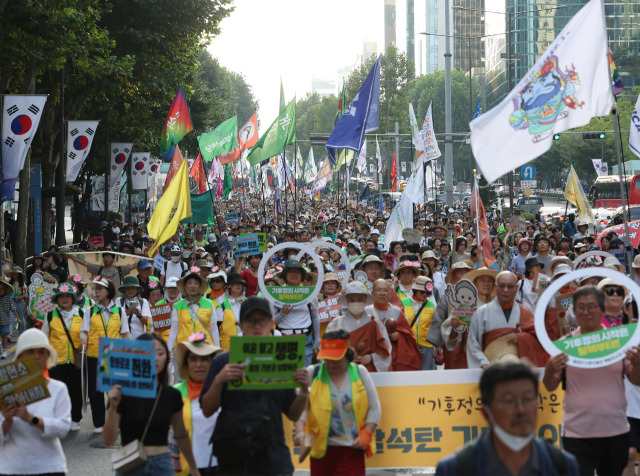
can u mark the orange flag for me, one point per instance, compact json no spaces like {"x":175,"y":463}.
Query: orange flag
{"x":247,"y":138}
{"x":394,"y":174}
{"x":480,"y":222}
{"x":197,"y":172}
{"x":176,"y":161}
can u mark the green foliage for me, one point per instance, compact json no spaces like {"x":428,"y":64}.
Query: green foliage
{"x":314,"y":114}
{"x":488,"y":193}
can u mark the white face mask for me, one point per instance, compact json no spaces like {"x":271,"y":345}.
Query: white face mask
{"x":513,"y":442}
{"x":356,"y":308}
{"x":175,"y":259}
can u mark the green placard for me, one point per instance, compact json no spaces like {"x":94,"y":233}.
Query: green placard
{"x":262,"y":240}
{"x":598,"y":344}
{"x":290,"y":294}
{"x":270,"y":362}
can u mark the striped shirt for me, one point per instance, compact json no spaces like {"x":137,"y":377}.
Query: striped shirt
{"x":7,"y":307}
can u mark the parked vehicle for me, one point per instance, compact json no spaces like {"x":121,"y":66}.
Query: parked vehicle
{"x":530,"y":204}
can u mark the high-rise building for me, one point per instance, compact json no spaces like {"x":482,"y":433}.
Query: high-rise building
{"x":389,"y":23}
{"x":324,"y":87}
{"x":411,"y":35}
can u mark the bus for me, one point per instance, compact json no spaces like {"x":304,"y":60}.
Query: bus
{"x":605,"y":192}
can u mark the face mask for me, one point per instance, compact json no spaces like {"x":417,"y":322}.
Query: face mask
{"x":175,"y":259}
{"x":356,"y":308}
{"x":513,"y":442}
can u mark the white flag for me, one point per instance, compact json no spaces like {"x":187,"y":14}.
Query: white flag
{"x":378,"y":156}
{"x":634,"y":130}
{"x":311,"y":169}
{"x":372,"y":168}
{"x":362,"y":158}
{"x":403,"y":166}
{"x":79,"y":139}
{"x":416,"y":136}
{"x":565,"y":89}
{"x":597,"y":164}
{"x":119,"y":156}
{"x":298,"y":165}
{"x":20,"y":119}
{"x":401,"y":218}
{"x":415,"y":185}
{"x":432,"y":151}
{"x":280,"y":169}
{"x":139,"y":170}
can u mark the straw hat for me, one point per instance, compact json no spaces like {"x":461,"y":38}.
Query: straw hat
{"x":484,"y":271}
{"x":196,"y":344}
{"x":501,"y":349}
{"x":614,"y":263}
{"x":420,"y":284}
{"x":561,"y":270}
{"x":373,"y":259}
{"x":355,"y":287}
{"x":36,"y":339}
{"x":636,"y":262}
{"x":194,"y":272}
{"x":606,"y":282}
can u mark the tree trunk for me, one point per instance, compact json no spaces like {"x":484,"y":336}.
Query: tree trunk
{"x":20,"y":241}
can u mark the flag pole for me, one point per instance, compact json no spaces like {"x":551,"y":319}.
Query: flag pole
{"x":286,"y":195}
{"x":295,"y":175}
{"x":616,"y":128}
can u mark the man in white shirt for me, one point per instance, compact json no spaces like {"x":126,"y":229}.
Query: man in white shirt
{"x":174,"y":268}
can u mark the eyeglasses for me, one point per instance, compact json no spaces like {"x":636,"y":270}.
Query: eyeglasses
{"x":589,"y":307}
{"x":612,"y":291}
{"x":199,"y":358}
{"x":513,"y":403}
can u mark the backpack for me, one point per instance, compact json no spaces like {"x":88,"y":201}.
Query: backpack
{"x":467,"y":459}
{"x":183,"y":265}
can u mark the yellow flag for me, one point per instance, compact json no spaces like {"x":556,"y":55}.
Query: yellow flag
{"x":344,"y":158}
{"x":173,"y":206}
{"x":574,"y":193}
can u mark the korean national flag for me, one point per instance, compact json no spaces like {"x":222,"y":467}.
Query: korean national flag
{"x":20,"y":119}
{"x":79,"y":139}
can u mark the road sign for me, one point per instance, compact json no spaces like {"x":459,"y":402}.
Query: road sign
{"x":531,"y":184}
{"x":528,"y":192}
{"x":528,"y":172}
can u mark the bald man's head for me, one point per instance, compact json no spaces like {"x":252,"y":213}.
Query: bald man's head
{"x":507,"y":287}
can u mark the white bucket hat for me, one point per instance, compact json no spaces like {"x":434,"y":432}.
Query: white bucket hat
{"x":36,"y":339}
{"x":172,"y":282}
{"x":355,"y":287}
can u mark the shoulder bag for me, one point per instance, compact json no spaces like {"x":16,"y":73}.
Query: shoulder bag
{"x":133,"y":455}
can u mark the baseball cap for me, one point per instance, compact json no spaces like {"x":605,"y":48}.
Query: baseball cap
{"x":333,"y":349}
{"x":144,"y":264}
{"x":254,"y":304}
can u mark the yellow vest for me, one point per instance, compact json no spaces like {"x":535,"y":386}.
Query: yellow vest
{"x":58,"y":337}
{"x":421,"y":325}
{"x":320,"y":407}
{"x":229,"y":325}
{"x":97,"y":329}
{"x":188,"y":423}
{"x":187,"y":325}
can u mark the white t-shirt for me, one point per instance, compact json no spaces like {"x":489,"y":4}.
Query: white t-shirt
{"x":173,"y":270}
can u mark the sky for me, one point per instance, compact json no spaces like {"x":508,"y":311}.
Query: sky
{"x":266,"y":40}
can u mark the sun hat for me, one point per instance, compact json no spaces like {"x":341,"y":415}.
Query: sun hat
{"x":333,"y":349}
{"x":429,"y":254}
{"x":172,"y":282}
{"x":407,"y":264}
{"x":611,"y":282}
{"x":331,"y":277}
{"x":555,"y":261}
{"x":614,"y":263}
{"x":458,"y":265}
{"x":525,"y":240}
{"x":484,"y":271}
{"x":36,"y":339}
{"x":217,"y":272}
{"x":235,"y":278}
{"x":194,"y":272}
{"x":352,"y":288}
{"x":202,"y":263}
{"x":130,"y":281}
{"x":561,"y":270}
{"x":64,"y":288}
{"x":100,"y":281}
{"x":373,"y":259}
{"x":531,"y":262}
{"x":18,"y":270}
{"x":197,"y":344}
{"x":502,"y":349}
{"x":420,"y":284}
{"x":636,"y":262}
{"x":293,"y":264}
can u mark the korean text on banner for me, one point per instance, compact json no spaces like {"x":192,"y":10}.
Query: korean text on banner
{"x":22,"y":379}
{"x":129,"y":363}
{"x":564,"y":90}
{"x":440,"y":412}
{"x":270,"y":362}
{"x":161,"y":316}
{"x":248,"y":244}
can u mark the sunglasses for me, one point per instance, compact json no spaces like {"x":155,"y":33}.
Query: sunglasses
{"x":612,"y":291}
{"x":199,"y":358}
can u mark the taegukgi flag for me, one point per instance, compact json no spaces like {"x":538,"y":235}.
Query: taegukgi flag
{"x":568,"y":86}
{"x":79,"y":139}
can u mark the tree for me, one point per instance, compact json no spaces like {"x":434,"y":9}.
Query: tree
{"x":487,"y":192}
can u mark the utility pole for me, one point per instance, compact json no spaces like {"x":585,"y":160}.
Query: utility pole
{"x":60,"y":176}
{"x":448,"y":144}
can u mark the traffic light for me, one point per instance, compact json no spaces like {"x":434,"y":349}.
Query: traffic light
{"x":593,"y":135}
{"x":556,"y":136}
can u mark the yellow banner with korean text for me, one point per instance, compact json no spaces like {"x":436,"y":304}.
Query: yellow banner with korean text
{"x":429,"y":415}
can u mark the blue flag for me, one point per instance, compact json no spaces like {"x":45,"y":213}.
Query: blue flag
{"x":478,"y":111}
{"x":278,"y":202}
{"x":381,"y":204}
{"x":362,"y":116}
{"x":366,"y":193}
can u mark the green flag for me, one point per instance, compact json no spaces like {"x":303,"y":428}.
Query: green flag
{"x":220,"y":140}
{"x":282,"y":103}
{"x":279,"y":134}
{"x":228,"y":181}
{"x":201,"y":209}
